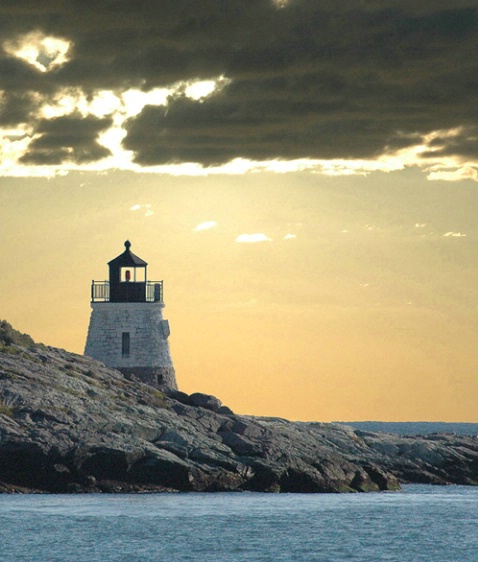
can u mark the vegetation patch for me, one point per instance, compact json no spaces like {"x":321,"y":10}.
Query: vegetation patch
{"x":157,"y":399}
{"x":6,"y":410}
{"x":9,"y":336}
{"x":10,"y":373}
{"x":10,"y":349}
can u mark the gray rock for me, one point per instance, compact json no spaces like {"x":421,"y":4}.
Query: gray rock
{"x":70,"y":424}
{"x":205,"y":401}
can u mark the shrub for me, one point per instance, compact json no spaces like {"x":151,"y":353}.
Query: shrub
{"x":9,"y":349}
{"x":10,"y":336}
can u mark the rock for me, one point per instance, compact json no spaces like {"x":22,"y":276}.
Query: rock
{"x":178,"y":396}
{"x":70,"y":424}
{"x":224,"y":410}
{"x":205,"y":401}
{"x":240,"y":445}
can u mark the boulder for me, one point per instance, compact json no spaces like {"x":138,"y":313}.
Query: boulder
{"x":205,"y":401}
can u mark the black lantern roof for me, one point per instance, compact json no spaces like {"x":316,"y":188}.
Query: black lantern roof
{"x":127,"y":259}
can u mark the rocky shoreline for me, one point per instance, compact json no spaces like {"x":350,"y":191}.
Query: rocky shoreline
{"x":69,"y":424}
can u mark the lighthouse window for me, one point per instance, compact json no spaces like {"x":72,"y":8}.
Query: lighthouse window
{"x":125,"y":344}
{"x":132,"y":274}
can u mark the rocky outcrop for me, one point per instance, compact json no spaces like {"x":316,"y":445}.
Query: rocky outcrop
{"x":70,"y":424}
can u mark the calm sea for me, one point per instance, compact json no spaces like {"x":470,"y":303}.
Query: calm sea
{"x":422,"y":523}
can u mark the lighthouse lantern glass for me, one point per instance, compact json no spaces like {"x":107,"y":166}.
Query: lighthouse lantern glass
{"x":133,"y":274}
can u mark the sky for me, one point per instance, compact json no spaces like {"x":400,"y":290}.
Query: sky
{"x":301,"y":174}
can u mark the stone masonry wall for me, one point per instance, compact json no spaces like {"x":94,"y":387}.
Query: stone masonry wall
{"x":149,"y":358}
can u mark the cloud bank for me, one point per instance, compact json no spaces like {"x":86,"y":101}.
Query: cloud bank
{"x":386,"y":81}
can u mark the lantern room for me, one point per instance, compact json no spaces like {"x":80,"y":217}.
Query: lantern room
{"x":127,"y":277}
{"x":127,"y":281}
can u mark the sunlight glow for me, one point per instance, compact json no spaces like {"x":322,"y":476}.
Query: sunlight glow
{"x":199,"y":89}
{"x":121,"y":106}
{"x":43,"y":52}
{"x":46,"y":53}
{"x":71,"y":100}
{"x":138,"y":206}
{"x":454,"y":235}
{"x":63,"y":104}
{"x":460,"y":174}
{"x":134,"y":101}
{"x":252,"y":238}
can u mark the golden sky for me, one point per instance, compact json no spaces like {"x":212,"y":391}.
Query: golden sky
{"x":301,"y":174}
{"x":359,"y":300}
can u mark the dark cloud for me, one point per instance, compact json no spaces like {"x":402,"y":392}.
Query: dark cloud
{"x":336,"y":78}
{"x":464,"y":143}
{"x":223,"y":128}
{"x":69,"y":138}
{"x":17,"y":108}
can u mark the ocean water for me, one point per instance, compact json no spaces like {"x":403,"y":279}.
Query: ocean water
{"x":421,"y":523}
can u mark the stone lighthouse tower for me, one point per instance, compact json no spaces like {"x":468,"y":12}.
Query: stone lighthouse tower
{"x":127,"y":330}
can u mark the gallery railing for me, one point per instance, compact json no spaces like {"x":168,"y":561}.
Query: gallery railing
{"x":150,"y":291}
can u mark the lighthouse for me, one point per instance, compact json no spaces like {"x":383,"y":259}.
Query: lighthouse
{"x":127,"y":330}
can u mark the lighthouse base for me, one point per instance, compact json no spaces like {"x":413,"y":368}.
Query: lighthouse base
{"x":132,"y":338}
{"x":154,"y":376}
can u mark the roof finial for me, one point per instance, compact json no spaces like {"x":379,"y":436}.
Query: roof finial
{"x":127,"y":245}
